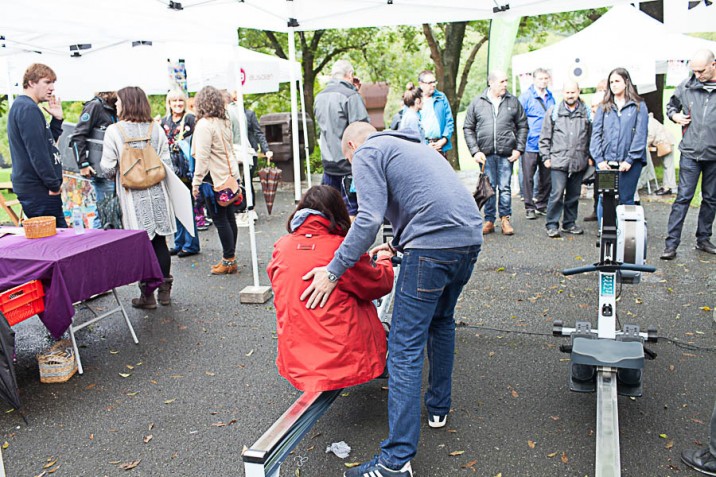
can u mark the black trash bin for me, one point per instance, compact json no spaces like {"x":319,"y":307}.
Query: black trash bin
{"x":277,"y":128}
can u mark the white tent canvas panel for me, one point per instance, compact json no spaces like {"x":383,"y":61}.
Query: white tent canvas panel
{"x":679,"y":17}
{"x":625,"y":37}
{"x":147,"y":66}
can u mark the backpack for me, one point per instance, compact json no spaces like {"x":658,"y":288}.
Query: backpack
{"x":140,"y":168}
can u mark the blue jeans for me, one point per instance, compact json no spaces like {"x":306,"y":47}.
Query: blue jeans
{"x":566,"y":189}
{"x":426,"y":292}
{"x":103,"y":188}
{"x":338,"y":183}
{"x":627,"y":187}
{"x":41,"y":203}
{"x":499,"y":171}
{"x":183,"y":239}
{"x":689,"y":172}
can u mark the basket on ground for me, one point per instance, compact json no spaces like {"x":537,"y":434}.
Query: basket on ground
{"x":39,"y":227}
{"x":22,"y":302}
{"x":58,"y":364}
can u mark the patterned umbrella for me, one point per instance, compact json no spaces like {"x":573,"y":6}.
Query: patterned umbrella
{"x":270,"y":177}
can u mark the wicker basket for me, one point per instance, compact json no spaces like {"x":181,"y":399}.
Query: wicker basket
{"x":57,"y":364}
{"x":39,"y":227}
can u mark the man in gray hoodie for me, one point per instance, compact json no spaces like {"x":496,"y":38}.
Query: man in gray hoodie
{"x":439,"y":231}
{"x":338,"y":105}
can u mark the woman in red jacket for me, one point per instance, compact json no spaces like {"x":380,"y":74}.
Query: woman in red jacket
{"x":342,"y":344}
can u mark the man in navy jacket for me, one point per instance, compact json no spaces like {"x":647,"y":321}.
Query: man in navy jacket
{"x":36,"y":163}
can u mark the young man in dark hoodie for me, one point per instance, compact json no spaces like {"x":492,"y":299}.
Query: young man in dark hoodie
{"x":36,"y":164}
{"x":439,"y":231}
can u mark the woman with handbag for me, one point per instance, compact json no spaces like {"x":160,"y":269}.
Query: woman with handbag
{"x":178,"y":125}
{"x":214,"y":161}
{"x":145,"y":206}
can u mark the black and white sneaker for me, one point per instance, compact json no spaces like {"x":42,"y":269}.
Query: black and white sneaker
{"x":574,"y":230}
{"x":437,"y":422}
{"x":376,"y":469}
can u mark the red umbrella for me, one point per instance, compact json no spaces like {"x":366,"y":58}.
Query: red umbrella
{"x":270,"y":177}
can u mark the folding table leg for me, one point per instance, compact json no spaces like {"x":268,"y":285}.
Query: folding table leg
{"x":77,"y":351}
{"x":126,"y":318}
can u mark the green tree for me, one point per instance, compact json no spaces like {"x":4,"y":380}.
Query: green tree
{"x":447,"y":49}
{"x":315,"y":50}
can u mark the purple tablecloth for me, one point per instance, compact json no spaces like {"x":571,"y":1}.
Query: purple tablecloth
{"x":75,"y":267}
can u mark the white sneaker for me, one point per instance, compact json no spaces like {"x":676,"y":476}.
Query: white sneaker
{"x":437,"y":422}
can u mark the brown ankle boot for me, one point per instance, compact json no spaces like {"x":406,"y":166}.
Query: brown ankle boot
{"x":506,"y":226}
{"x":226,"y":266}
{"x":488,"y":228}
{"x":165,"y":291}
{"x":146,"y":300}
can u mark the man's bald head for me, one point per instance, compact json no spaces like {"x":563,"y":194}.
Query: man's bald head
{"x":703,"y":65}
{"x":354,"y":136}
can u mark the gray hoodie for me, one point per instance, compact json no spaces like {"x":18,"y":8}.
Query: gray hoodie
{"x":415,"y":188}
{"x":335,"y":108}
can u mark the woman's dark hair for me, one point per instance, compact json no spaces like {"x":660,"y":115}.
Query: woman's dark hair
{"x":329,"y":202}
{"x":629,"y":93}
{"x":135,"y":105}
{"x":411,"y":95}
{"x":209,"y":103}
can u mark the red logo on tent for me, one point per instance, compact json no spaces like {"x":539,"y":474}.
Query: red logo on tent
{"x":243,"y":77}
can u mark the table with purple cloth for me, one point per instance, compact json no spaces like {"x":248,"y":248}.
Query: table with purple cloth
{"x":74,"y":267}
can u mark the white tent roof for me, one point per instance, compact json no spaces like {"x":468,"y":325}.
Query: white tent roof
{"x":83,"y":20}
{"x":679,"y":17}
{"x":624,"y":36}
{"x":121,"y":65}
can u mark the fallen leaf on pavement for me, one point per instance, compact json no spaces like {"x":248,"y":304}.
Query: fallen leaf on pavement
{"x":169,"y":401}
{"x":456,"y":453}
{"x":552,"y":454}
{"x":130,"y":465}
{"x":564,"y":458}
{"x":125,"y":375}
{"x":148,"y":438}
{"x":531,"y":443}
{"x":351,"y":464}
{"x":470,"y":465}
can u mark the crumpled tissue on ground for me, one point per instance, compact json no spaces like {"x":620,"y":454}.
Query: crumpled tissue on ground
{"x":341,"y":449}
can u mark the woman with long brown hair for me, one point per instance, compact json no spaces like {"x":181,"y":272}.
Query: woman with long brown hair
{"x":214,"y":161}
{"x":147,"y":209}
{"x":341,"y":344}
{"x":619,"y":132}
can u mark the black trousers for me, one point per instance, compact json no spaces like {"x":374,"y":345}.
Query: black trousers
{"x":531,"y":162}
{"x":225,"y":222}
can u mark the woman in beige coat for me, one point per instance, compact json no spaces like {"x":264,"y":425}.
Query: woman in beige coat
{"x":215,"y":163}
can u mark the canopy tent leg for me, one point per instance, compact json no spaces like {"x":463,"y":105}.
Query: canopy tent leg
{"x":294,"y":116}
{"x":255,"y":293}
{"x":305,"y":133}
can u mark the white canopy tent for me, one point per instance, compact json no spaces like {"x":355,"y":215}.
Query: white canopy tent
{"x":106,"y":22}
{"x":128,"y":63}
{"x":679,"y":17}
{"x":624,"y":36}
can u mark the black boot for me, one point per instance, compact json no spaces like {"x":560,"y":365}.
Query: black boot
{"x":146,"y":300}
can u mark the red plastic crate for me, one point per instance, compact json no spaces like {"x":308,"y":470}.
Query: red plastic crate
{"x":22,"y":302}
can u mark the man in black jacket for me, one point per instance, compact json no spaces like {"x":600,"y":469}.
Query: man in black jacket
{"x":256,"y":138}
{"x":692,"y":106}
{"x":97,"y":114}
{"x":36,"y":162}
{"x":496,"y":134}
{"x":564,"y":147}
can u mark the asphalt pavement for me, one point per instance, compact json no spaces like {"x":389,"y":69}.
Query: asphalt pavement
{"x":202,"y":382}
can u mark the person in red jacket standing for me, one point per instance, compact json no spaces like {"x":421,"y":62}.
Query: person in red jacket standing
{"x":342,"y":344}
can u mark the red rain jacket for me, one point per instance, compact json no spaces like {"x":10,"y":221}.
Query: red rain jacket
{"x":342,"y":344}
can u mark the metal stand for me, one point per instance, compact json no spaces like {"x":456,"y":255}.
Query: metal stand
{"x":73,"y":328}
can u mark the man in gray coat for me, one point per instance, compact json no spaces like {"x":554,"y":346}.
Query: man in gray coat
{"x":496,"y":133}
{"x":338,"y":105}
{"x":564,"y":147}
{"x":692,"y":106}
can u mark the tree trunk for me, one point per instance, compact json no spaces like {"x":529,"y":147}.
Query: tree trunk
{"x":655,"y":99}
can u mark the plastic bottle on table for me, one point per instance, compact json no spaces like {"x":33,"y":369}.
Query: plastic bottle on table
{"x":78,"y":223}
